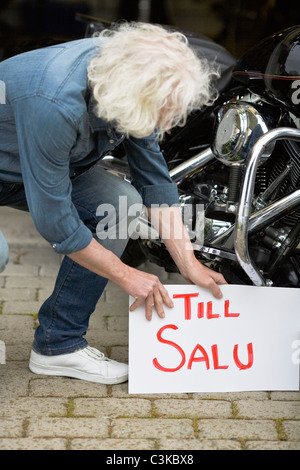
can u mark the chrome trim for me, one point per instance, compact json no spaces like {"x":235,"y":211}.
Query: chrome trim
{"x":218,"y":252}
{"x":266,"y":216}
{"x":245,"y":205}
{"x":274,"y":211}
{"x":240,"y":126}
{"x":187,"y":168}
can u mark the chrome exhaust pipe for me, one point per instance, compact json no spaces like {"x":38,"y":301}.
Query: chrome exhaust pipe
{"x":184,"y":170}
{"x":189,"y":167}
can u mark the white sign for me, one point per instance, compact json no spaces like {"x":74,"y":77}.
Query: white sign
{"x":248,"y":340}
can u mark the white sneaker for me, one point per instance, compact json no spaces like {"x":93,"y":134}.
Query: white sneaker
{"x":85,"y":364}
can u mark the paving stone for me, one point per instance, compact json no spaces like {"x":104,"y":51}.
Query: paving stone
{"x":14,"y":370}
{"x":117,"y":323}
{"x":193,"y":409}
{"x":268,"y":409}
{"x":98,"y":321}
{"x":272,"y":445}
{"x":116,"y":294}
{"x":43,"y":294}
{"x":48,"y":271}
{"x":13,"y":384}
{"x":121,"y":390}
{"x":198,"y":444}
{"x":36,"y":282}
{"x":11,"y":427}
{"x":15,"y":307}
{"x":99,"y":338}
{"x":20,"y":270}
{"x":19,"y":351}
{"x":152,"y":428}
{"x":285,"y":396}
{"x":17,"y":328}
{"x":68,"y":427}
{"x":65,"y":387}
{"x":117,"y":308}
{"x":33,"y":444}
{"x":112,"y":444}
{"x":119,"y":353}
{"x":25,"y":336}
{"x":112,"y":407}
{"x":291,"y":429}
{"x":14,"y":323}
{"x":17,"y":293}
{"x":25,"y":407}
{"x":237,"y":429}
{"x":231,"y":396}
{"x":40,"y":256}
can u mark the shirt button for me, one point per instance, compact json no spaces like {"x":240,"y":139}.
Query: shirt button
{"x":54,"y":245}
{"x":111,"y":141}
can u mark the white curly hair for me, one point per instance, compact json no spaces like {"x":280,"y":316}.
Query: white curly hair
{"x":146,"y":78}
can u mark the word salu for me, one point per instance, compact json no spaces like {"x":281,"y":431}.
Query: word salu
{"x":211,"y":358}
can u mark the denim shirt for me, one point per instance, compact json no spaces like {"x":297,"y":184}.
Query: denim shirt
{"x":48,"y":130}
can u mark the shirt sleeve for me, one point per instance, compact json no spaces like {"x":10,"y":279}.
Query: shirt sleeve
{"x":149,"y":171}
{"x":45,"y":137}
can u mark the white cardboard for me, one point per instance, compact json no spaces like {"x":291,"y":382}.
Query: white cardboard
{"x":268,"y":324}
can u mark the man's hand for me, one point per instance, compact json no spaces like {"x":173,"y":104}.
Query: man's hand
{"x":148,"y":290}
{"x":202,"y":276}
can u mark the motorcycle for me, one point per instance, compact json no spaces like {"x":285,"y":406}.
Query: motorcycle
{"x":239,"y":161}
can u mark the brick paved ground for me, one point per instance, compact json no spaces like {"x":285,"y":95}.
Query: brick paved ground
{"x":37,"y":412}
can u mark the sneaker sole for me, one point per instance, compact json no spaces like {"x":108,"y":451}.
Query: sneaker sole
{"x":74,"y":373}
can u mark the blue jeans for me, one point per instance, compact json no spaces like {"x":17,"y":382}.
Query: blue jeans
{"x":64,"y":316}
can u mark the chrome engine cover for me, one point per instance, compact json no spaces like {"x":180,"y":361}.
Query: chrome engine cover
{"x":239,"y":127}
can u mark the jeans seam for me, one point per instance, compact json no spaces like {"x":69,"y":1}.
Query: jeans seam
{"x":53,"y":311}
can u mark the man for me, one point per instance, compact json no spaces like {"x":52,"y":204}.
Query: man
{"x":66,"y":106}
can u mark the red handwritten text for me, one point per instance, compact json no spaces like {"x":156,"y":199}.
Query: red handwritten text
{"x":200,"y":354}
{"x":200,"y":308}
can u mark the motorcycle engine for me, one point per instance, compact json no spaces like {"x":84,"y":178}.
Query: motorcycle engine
{"x":217,"y":187}
{"x":240,"y":125}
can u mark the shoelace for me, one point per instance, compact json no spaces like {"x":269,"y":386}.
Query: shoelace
{"x":95,"y":354}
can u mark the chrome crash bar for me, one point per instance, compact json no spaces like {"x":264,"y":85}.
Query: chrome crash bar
{"x":242,"y":224}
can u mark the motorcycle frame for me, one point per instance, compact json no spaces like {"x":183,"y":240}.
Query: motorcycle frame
{"x":241,"y":229}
